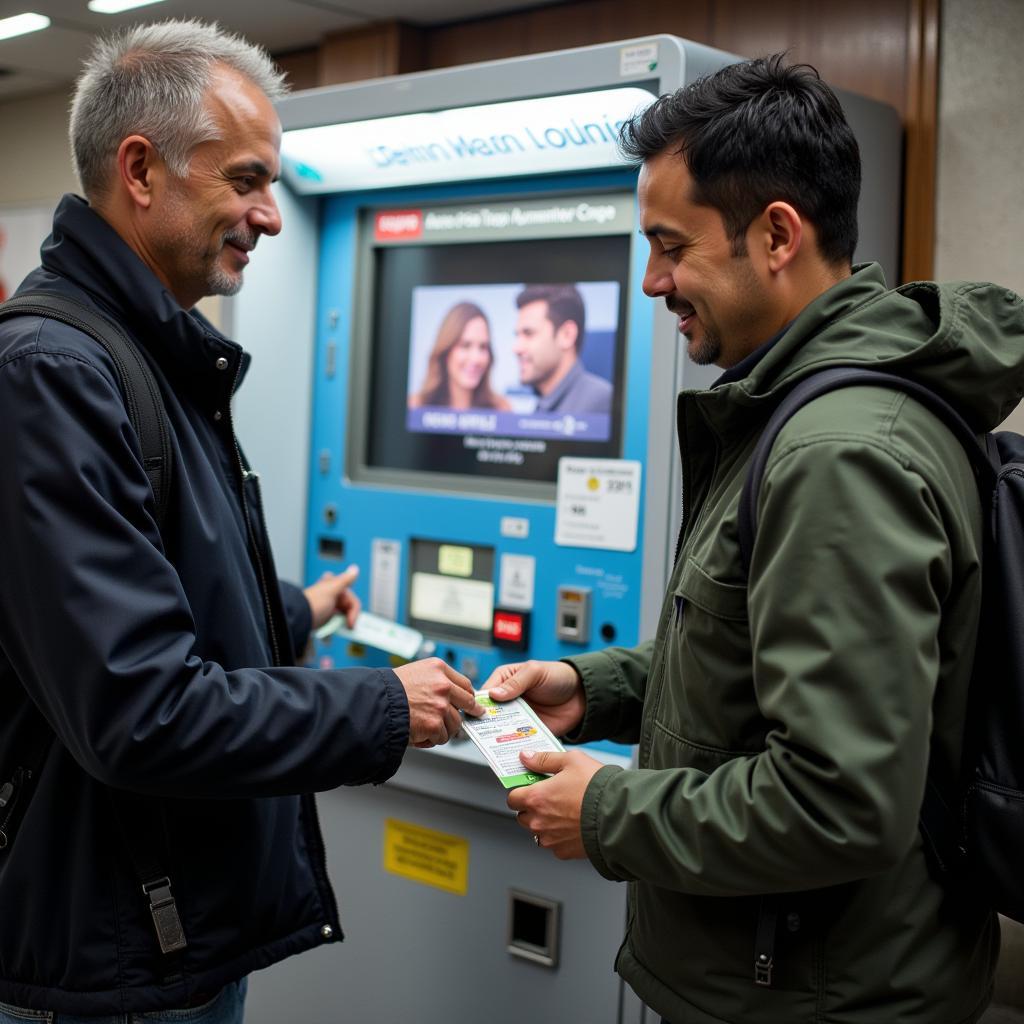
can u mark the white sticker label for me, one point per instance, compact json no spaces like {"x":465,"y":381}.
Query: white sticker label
{"x":598,"y":504}
{"x":385,"y":558}
{"x":638,"y":60}
{"x":514,"y":526}
{"x":452,"y":601}
{"x":517,"y":575}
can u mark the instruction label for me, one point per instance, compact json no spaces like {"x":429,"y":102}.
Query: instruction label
{"x":385,"y":558}
{"x":598,"y":503}
{"x":517,"y":576}
{"x":426,"y":856}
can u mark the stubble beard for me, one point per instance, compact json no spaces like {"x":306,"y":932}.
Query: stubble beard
{"x":218,"y":280}
{"x":707,"y":349}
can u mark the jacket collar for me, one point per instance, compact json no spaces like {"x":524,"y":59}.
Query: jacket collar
{"x":85,"y":250}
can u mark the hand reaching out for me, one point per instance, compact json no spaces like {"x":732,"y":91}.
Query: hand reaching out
{"x":436,"y":692}
{"x":552,"y":688}
{"x":331,"y":595}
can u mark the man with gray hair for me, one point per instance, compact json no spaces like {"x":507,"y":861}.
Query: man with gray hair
{"x":156,"y":738}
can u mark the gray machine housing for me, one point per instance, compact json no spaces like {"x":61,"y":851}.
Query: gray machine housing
{"x":533,"y":938}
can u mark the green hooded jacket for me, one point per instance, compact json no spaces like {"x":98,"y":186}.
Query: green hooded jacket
{"x":785,"y":729}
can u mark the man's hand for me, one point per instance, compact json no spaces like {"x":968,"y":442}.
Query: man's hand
{"x":331,"y":595}
{"x":552,"y":688}
{"x":435,"y":692}
{"x":551,"y":809}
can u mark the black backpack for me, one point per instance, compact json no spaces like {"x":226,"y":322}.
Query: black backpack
{"x":975,"y":836}
{"x":140,"y":820}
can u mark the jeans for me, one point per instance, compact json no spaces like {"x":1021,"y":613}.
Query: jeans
{"x":227,"y":1007}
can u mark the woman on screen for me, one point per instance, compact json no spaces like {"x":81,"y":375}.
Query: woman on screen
{"x":459,"y":367}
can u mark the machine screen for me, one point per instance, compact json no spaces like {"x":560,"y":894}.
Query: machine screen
{"x":467,"y":339}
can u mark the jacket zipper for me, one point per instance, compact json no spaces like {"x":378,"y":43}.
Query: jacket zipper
{"x":320,"y":862}
{"x":764,"y":943}
{"x":307,"y":802}
{"x":10,"y":795}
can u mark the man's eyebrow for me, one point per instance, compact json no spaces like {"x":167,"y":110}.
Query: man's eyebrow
{"x":657,"y":230}
{"x":256,"y":167}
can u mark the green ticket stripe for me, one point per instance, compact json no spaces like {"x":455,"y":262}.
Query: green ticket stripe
{"x":525,"y":779}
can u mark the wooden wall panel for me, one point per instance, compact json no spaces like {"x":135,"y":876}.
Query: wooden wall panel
{"x":560,"y":26}
{"x":302,"y":68}
{"x":372,"y":51}
{"x":858,"y":46}
{"x":921,"y":146}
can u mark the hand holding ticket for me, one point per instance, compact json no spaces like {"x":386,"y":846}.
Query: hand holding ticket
{"x":505,"y":731}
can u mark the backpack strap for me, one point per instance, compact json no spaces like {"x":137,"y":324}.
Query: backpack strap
{"x":138,"y":385}
{"x":140,"y":819}
{"x":938,"y":822}
{"x":831,"y":380}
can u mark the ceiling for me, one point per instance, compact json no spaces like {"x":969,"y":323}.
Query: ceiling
{"x":47,"y":60}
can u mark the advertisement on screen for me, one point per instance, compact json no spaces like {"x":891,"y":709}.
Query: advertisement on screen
{"x":515,"y":360}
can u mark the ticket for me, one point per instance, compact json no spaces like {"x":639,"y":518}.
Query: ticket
{"x":376,"y":631}
{"x":503,"y":732}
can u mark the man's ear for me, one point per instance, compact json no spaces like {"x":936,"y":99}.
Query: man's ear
{"x":567,"y":335}
{"x":779,"y":232}
{"x":138,"y":163}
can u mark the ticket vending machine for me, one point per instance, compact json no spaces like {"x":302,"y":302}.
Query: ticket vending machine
{"x":524,"y":526}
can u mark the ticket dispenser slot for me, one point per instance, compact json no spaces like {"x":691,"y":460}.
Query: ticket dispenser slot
{"x":572,"y":610}
{"x":451,"y":590}
{"x":533,"y":925}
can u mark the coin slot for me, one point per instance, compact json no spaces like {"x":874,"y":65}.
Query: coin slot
{"x":331,"y":548}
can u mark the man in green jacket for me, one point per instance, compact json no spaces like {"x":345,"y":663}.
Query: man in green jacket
{"x":785,"y":728}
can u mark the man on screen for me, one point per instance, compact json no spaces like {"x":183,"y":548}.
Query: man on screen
{"x":549,"y":336}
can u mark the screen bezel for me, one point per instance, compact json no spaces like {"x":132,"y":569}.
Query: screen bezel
{"x":361,"y":356}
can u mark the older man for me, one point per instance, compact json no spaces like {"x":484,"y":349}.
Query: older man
{"x":787,"y":722}
{"x":159,"y":661}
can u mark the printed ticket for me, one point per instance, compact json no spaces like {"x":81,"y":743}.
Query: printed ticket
{"x":376,"y":631}
{"x":503,"y":732}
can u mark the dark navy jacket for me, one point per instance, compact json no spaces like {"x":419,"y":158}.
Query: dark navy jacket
{"x":153,"y":658}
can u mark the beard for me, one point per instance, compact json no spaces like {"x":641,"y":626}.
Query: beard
{"x":708,"y":347}
{"x":706,"y":350}
{"x":218,"y":280}
{"x":182,"y":244}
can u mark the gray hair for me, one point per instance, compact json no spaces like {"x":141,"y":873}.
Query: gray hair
{"x":150,"y":80}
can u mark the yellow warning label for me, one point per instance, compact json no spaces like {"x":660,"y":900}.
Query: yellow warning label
{"x":423,"y":855}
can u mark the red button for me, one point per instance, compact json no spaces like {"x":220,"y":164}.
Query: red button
{"x":508,"y":627}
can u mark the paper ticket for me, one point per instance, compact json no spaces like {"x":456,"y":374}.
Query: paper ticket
{"x":503,"y":732}
{"x":376,"y":631}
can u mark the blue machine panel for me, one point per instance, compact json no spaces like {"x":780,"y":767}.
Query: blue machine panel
{"x":350,"y":510}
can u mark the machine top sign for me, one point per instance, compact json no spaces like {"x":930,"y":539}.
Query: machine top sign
{"x":553,"y":134}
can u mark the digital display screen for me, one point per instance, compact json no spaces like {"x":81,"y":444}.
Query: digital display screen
{"x":496,"y":358}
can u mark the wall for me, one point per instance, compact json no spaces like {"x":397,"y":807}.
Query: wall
{"x":979,"y":213}
{"x":36,"y":167}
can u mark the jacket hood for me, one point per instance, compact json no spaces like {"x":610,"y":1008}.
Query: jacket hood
{"x":964,"y":340}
